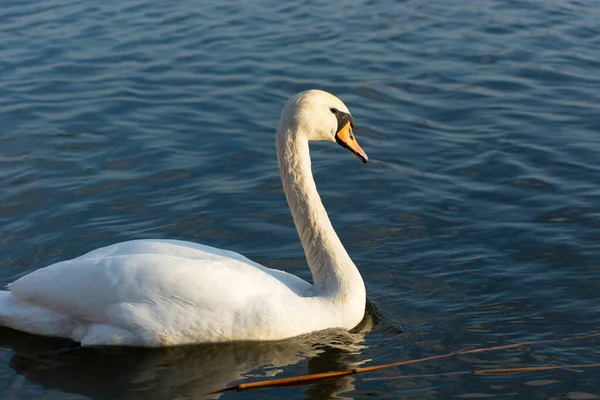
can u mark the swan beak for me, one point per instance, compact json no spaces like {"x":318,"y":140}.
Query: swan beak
{"x":345,"y":138}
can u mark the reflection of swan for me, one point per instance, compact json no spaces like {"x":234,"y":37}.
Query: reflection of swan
{"x":174,"y":372}
{"x":166,"y":292}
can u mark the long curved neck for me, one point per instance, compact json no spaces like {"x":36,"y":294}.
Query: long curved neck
{"x":333,"y":271}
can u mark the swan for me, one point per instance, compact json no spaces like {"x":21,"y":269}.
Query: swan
{"x":153,"y":293}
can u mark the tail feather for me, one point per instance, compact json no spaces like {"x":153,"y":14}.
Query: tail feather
{"x":33,"y":319}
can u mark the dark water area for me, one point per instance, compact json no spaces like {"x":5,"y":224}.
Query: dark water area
{"x":476,"y":222}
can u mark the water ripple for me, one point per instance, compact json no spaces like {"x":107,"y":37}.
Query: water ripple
{"x":475,"y":224}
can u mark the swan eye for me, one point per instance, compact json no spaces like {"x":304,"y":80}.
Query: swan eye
{"x":334,"y":110}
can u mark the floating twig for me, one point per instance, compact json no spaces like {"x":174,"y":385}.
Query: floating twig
{"x":314,"y":378}
{"x":500,"y":371}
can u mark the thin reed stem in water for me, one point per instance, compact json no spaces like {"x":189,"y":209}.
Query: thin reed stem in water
{"x":314,"y":378}
{"x":499,"y":371}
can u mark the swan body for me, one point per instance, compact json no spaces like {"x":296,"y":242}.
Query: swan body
{"x":166,"y":292}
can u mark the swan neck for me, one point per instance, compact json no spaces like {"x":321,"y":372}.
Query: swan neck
{"x":332,"y":269}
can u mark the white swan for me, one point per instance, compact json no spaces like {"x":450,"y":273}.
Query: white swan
{"x":167,"y":292}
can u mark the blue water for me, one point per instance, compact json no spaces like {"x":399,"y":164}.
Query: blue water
{"x":476,"y":223}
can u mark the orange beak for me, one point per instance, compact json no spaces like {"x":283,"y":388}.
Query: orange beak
{"x":345,"y":138}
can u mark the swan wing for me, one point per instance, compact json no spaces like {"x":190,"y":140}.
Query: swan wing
{"x":160,"y":290}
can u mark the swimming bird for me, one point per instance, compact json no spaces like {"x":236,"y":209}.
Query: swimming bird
{"x":153,"y":293}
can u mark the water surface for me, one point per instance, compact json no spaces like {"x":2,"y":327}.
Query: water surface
{"x":476,"y":222}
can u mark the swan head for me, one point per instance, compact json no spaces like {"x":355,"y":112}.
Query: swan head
{"x":318,"y":115}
